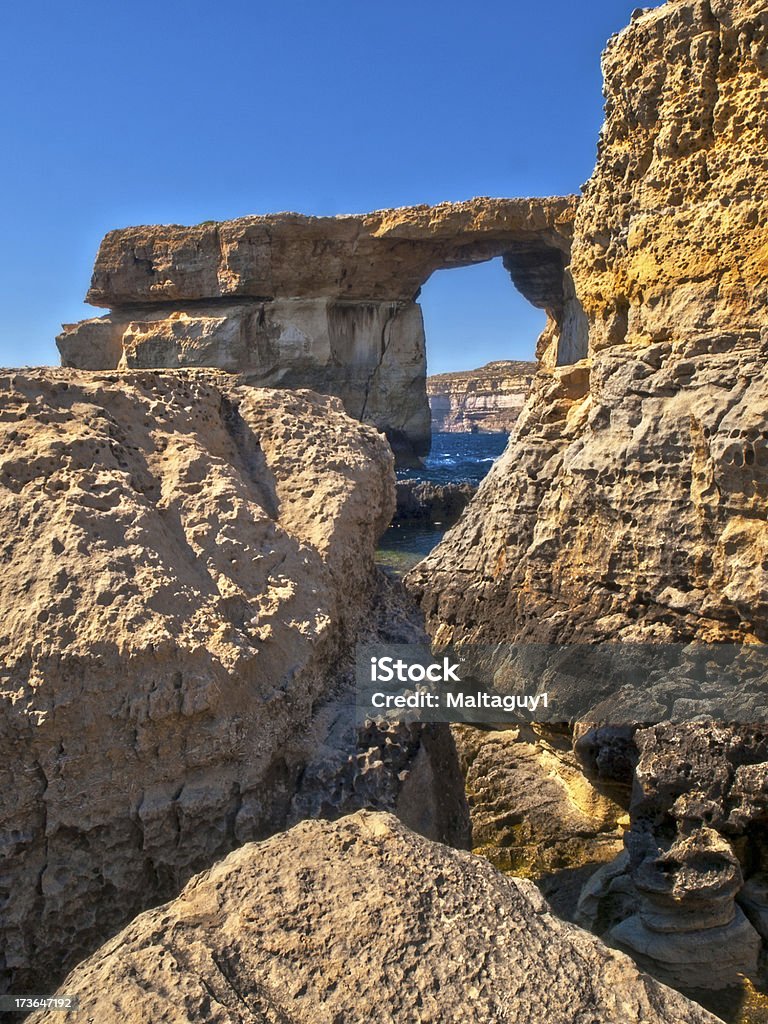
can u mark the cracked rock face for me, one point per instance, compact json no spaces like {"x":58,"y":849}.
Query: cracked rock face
{"x":185,"y":561}
{"x":312,"y":926}
{"x":326,"y":303}
{"x":369,"y":354}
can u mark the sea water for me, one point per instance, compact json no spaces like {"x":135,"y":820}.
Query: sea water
{"x":453,"y":458}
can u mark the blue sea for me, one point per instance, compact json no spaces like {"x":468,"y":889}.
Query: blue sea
{"x":453,"y":458}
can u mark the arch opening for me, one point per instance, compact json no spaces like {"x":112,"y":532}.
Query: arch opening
{"x":486,"y":331}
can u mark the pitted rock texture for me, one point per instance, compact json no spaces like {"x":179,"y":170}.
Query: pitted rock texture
{"x":328,"y":921}
{"x":185,"y":563}
{"x":326,"y":303}
{"x":699,"y":810}
{"x":631,"y":500}
{"x":487,"y":399}
{"x":630,"y":503}
{"x":672,"y":235}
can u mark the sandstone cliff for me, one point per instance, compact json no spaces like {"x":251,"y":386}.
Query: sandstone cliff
{"x":326,"y":303}
{"x":186,"y":562}
{"x":487,"y":399}
{"x":358,"y":920}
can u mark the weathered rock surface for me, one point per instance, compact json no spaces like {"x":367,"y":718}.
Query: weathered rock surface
{"x":698,"y":810}
{"x":326,"y":303}
{"x":368,"y":354}
{"x":186,"y":561}
{"x":534,"y":812}
{"x":487,"y":399}
{"x":631,"y":500}
{"x":676,"y":899}
{"x":386,"y":255}
{"x":410,"y":769}
{"x":333,"y":922}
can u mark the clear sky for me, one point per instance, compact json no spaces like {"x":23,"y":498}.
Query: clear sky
{"x":169,"y":111}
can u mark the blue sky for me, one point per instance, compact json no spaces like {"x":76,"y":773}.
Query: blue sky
{"x":147,"y":112}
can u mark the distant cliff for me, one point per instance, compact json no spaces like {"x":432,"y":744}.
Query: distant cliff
{"x":488,"y":399}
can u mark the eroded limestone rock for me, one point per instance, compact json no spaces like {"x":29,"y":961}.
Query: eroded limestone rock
{"x":186,"y":562}
{"x":534,"y":812}
{"x":328,"y":921}
{"x":631,"y":500}
{"x":630,"y":503}
{"x":386,"y":255}
{"x":424,"y":501}
{"x":678,"y":900}
{"x":368,"y":354}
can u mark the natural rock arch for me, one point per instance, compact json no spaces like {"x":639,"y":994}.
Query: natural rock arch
{"x":327,"y":303}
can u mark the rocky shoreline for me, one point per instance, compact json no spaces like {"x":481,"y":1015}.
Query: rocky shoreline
{"x":196,"y":825}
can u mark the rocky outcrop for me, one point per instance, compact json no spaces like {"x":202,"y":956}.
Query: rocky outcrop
{"x":631,"y":500}
{"x":187,"y":562}
{"x":698,"y":813}
{"x":676,"y":899}
{"x":329,"y":920}
{"x":487,"y":399}
{"x":326,"y":303}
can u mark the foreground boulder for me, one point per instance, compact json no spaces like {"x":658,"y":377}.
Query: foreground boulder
{"x":186,"y":563}
{"x":362,"y":920}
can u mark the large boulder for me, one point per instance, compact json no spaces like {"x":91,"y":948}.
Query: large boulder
{"x":359,"y":920}
{"x":186,"y":565}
